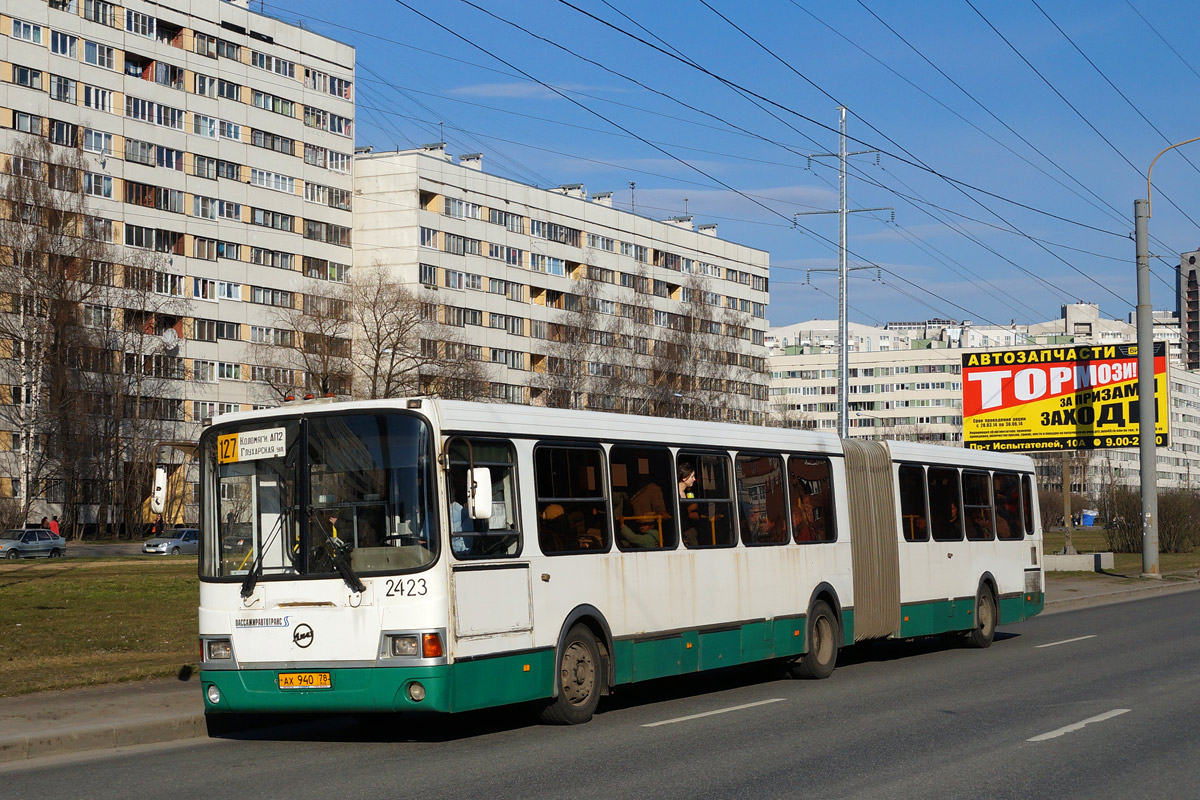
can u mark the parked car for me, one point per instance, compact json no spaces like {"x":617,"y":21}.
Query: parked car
{"x":31,"y":542}
{"x":174,"y":542}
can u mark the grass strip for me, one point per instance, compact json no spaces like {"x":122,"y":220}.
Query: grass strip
{"x":82,"y":622}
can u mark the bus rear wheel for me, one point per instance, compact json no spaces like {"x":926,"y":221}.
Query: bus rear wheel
{"x":985,"y":620}
{"x":578,"y":677}
{"x":821,"y":657}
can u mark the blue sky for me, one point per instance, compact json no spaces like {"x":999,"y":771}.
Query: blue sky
{"x":1013,"y":193}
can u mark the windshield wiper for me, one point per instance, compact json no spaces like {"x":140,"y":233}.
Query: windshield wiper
{"x":251,"y":578}
{"x":339,"y":553}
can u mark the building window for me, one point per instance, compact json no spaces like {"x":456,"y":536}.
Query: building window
{"x":204,"y":45}
{"x":139,"y":24}
{"x":26,"y":31}
{"x":270,"y":102}
{"x":62,"y":89}
{"x":205,"y":85}
{"x":64,"y":44}
{"x":27,"y":123}
{"x":97,"y":184}
{"x":272,"y":180}
{"x":97,"y":98}
{"x":100,"y":11}
{"x":27,"y":77}
{"x":63,"y":133}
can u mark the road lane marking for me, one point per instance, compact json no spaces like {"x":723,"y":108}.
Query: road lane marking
{"x":1068,"y":641}
{"x":1116,"y":712}
{"x":711,"y":713}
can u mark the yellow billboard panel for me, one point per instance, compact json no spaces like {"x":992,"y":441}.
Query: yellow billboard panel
{"x":1058,"y":398}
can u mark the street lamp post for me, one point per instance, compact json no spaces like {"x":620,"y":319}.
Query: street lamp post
{"x":1147,"y":406}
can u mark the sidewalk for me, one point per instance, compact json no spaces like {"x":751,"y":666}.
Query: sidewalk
{"x":106,"y":717}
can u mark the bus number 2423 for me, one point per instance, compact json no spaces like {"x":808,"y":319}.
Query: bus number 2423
{"x":406,"y":587}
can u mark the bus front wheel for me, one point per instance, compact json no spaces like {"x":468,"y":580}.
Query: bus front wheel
{"x":821,"y":657}
{"x":578,"y":679}
{"x":985,"y":619}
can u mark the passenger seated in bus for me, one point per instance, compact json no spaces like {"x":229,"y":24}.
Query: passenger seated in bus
{"x":554,"y":530}
{"x":647,"y":512}
{"x":689,"y":512}
{"x":979,"y":524}
{"x":804,"y":521}
{"x":945,"y":519}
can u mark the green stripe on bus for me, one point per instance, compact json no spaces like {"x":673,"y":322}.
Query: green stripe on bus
{"x":463,"y":686}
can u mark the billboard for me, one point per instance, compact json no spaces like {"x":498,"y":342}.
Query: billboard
{"x":1058,"y":398}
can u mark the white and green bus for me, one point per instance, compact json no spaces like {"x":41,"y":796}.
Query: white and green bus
{"x":442,"y":556}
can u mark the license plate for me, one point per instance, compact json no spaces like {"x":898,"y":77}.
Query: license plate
{"x":304,"y":680}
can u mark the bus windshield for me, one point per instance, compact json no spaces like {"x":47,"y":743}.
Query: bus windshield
{"x":298,"y":497}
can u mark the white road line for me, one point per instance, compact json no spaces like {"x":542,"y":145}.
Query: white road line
{"x":711,"y":713}
{"x":1068,"y":641}
{"x":1116,"y":712}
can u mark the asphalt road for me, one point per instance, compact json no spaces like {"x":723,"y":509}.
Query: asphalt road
{"x":1095,"y":703}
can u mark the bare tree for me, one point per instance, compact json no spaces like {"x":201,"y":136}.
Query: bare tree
{"x":48,"y":246}
{"x":136,"y":391}
{"x":401,"y":349}
{"x":695,"y":373}
{"x":313,"y":346}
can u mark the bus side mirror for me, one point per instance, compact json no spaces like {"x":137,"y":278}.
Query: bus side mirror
{"x":158,"y":500}
{"x":481,"y":493}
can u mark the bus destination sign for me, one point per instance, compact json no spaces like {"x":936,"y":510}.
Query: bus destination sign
{"x":1058,"y":398}
{"x":251,"y":445}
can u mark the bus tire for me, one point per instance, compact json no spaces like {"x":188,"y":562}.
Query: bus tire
{"x":984,"y":632}
{"x":579,"y":679}
{"x":820,"y":658}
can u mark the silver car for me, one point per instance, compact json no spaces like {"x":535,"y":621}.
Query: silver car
{"x":174,"y":542}
{"x":31,"y":542}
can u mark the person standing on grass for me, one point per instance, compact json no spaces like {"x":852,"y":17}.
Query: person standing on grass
{"x":45,"y":523}
{"x":54,"y":526}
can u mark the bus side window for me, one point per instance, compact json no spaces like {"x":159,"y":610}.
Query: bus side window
{"x":499,"y":535}
{"x":706,"y":516}
{"x":1028,"y":497}
{"x":944,"y":504}
{"x":810,"y":493}
{"x":977,"y":506}
{"x":642,"y":483}
{"x":762,"y":499}
{"x":572,"y":507}
{"x":914,"y":519}
{"x":1006,"y":493}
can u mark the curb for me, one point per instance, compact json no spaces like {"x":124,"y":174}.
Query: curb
{"x":1118,"y":595}
{"x":105,"y":736}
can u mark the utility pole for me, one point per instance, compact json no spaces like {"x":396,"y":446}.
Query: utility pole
{"x":843,"y":385}
{"x":1147,"y":402}
{"x":1147,"y":405}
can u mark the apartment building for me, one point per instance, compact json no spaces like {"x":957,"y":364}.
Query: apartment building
{"x":905,"y":382}
{"x":511,"y":266}
{"x":218,"y":148}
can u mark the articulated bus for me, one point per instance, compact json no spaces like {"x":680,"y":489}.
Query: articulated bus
{"x":429,"y":555}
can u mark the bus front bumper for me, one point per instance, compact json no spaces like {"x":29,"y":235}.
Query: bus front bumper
{"x":349,"y":690}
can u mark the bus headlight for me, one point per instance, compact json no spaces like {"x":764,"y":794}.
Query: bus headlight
{"x":416,"y":692}
{"x":404,"y":645}
{"x":214,"y":694}
{"x":219,"y":649}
